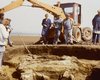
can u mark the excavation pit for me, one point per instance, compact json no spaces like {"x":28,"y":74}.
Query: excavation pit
{"x":53,"y":61}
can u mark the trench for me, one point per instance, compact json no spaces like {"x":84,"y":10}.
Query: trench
{"x":85,"y":51}
{"x":53,"y":61}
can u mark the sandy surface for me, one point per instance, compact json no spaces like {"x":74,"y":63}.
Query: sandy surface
{"x":19,"y":40}
{"x":30,"y":40}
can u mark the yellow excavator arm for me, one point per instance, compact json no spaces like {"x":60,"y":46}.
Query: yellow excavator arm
{"x":11,"y":6}
{"x":54,"y":10}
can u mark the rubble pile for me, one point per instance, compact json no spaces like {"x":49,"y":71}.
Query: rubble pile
{"x":50,"y":67}
{"x":51,"y":63}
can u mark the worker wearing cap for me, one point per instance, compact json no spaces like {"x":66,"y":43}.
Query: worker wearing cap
{"x":68,"y":23}
{"x":58,"y":26}
{"x":96,"y":28}
{"x":3,"y":38}
{"x":46,"y":23}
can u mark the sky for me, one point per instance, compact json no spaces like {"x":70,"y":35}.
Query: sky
{"x":28,"y":20}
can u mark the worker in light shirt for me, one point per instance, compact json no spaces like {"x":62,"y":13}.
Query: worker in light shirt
{"x":4,"y":33}
{"x":68,"y":24}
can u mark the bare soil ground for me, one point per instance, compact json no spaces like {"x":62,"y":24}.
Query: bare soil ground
{"x":30,"y":40}
{"x":18,"y":40}
{"x":14,"y":53}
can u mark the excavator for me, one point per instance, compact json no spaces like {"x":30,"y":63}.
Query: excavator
{"x":74,"y":9}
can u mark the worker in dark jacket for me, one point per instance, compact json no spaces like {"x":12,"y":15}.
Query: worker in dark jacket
{"x":96,"y":28}
{"x":46,"y":23}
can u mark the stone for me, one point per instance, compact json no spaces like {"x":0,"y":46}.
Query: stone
{"x":66,"y":76}
{"x":32,"y":75}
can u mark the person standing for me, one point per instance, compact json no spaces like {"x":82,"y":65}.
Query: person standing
{"x":96,"y":28}
{"x":10,"y":29}
{"x":3,"y":38}
{"x":58,"y":26}
{"x":68,"y":23}
{"x":1,"y":17}
{"x":46,"y":23}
